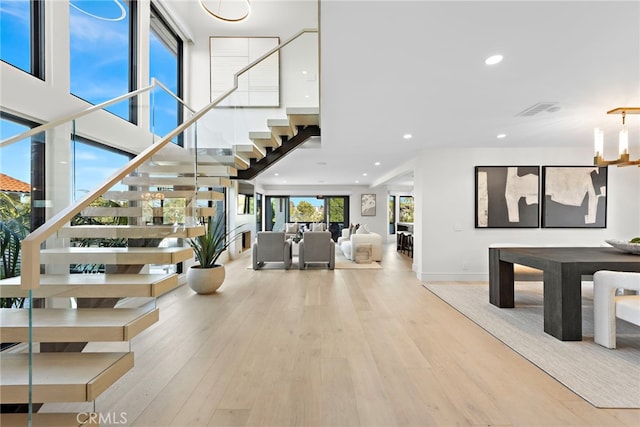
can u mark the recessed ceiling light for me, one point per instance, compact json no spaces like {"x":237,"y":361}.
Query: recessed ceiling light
{"x":357,"y":182}
{"x":493,"y":60}
{"x":407,"y":136}
{"x":364,"y":174}
{"x":377,"y":163}
{"x":276,"y":174}
{"x":501,"y":135}
{"x":304,"y":72}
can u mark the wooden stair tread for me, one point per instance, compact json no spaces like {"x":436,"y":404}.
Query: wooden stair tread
{"x":249,"y":151}
{"x":280,"y":127}
{"x":131,"y":231}
{"x":94,"y":285}
{"x":164,"y":181}
{"x":61,"y":377}
{"x":304,"y":116}
{"x":51,"y":419}
{"x":188,"y":168}
{"x":240,"y":162}
{"x":115,"y":256}
{"x":168,"y":194}
{"x":75,"y":325}
{"x":100,"y":211}
{"x":264,"y":139}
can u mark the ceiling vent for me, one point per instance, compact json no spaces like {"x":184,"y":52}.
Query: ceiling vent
{"x":549,"y":107}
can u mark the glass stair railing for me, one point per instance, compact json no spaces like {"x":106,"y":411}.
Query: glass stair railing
{"x":91,"y":273}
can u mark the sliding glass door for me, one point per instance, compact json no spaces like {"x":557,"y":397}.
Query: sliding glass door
{"x":338,"y":209}
{"x":275,"y":211}
{"x":330,"y":210}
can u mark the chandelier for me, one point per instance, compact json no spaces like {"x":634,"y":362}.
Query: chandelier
{"x":227,"y":10}
{"x":623,"y":147}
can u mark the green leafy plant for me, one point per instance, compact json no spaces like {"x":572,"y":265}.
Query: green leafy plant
{"x":14,"y":227}
{"x":212,"y":243}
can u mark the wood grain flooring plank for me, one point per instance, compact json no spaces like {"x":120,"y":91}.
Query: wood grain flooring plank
{"x":320,"y":348}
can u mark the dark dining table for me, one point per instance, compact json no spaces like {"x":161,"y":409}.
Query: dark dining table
{"x":563,"y":268}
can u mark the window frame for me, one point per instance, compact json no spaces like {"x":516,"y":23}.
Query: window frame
{"x":163,"y":34}
{"x":132,"y":58}
{"x":36,"y":42}
{"x":37,"y":169}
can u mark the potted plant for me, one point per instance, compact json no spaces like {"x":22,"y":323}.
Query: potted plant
{"x":207,"y":276}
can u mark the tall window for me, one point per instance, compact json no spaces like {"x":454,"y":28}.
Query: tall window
{"x":22,"y":35}
{"x":306,"y":209}
{"x":22,"y":179}
{"x":102,"y":52}
{"x":258,"y":211}
{"x":338,"y":209}
{"x":93,"y":163}
{"x":406,"y":209}
{"x":392,"y":214}
{"x":165,"y":64}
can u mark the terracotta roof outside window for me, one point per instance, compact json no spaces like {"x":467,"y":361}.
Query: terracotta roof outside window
{"x":12,"y":185}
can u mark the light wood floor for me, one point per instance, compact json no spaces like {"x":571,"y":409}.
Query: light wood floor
{"x":333,"y":348}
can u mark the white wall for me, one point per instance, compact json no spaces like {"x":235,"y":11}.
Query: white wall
{"x":223,"y":127}
{"x":445,"y":200}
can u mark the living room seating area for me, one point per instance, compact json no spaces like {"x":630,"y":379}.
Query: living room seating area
{"x":317,"y":248}
{"x":356,"y":236}
{"x":271,"y":246}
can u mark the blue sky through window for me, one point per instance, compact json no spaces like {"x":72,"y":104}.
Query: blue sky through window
{"x":163,"y":65}
{"x":15,"y":159}
{"x":15,"y":33}
{"x":92,"y":166}
{"x":99,"y":71}
{"x":99,"y":56}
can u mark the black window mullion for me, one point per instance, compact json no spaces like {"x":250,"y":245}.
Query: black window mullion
{"x":133,"y":60}
{"x":37,"y":39}
{"x":180,"y":89}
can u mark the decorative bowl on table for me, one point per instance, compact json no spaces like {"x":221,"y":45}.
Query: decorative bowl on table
{"x":633,"y":248}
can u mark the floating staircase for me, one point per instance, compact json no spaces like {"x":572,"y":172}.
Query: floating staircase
{"x":102,"y":314}
{"x":283,"y":136}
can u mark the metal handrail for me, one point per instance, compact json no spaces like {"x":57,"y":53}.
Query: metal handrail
{"x":69,"y":117}
{"x":30,"y":276}
{"x":154,"y":81}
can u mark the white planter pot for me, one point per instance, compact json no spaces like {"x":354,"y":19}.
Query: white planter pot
{"x":205,"y":280}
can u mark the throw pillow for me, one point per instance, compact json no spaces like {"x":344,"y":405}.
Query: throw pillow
{"x":362,"y":229}
{"x":292,"y":228}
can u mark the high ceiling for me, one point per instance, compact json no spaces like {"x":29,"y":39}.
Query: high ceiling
{"x":389,"y":68}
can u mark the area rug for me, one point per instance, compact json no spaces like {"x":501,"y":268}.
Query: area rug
{"x":603,"y":377}
{"x":348,"y":265}
{"x":342,"y":263}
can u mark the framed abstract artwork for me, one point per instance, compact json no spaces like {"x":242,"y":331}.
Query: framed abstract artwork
{"x":507,"y":196}
{"x":257,"y":87}
{"x":368,"y":205}
{"x":574,"y":197}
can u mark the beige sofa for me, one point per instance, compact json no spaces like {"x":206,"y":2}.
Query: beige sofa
{"x":349,"y":244}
